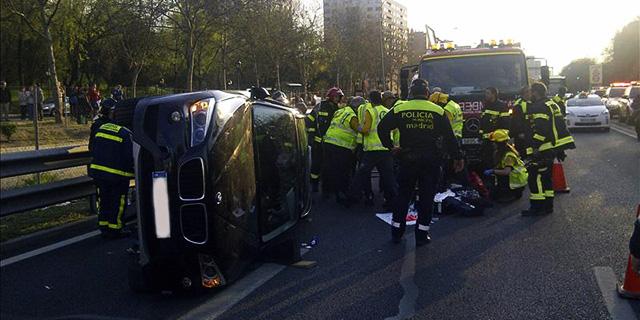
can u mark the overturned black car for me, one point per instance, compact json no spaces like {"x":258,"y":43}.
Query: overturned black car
{"x":221,"y":180}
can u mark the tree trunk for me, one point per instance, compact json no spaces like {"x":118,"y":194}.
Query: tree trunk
{"x":190,"y":61}
{"x":57,"y":96}
{"x":134,"y":79}
{"x":278,"y":76}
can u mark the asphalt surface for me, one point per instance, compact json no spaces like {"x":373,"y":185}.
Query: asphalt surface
{"x":498,"y":266}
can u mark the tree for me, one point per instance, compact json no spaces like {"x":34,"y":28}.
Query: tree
{"x":622,"y":58}
{"x":46,"y":11}
{"x":577,"y":74}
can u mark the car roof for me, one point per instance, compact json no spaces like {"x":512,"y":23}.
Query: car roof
{"x":589,"y":96}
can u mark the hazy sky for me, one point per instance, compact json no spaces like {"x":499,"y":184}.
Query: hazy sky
{"x":558,"y":30}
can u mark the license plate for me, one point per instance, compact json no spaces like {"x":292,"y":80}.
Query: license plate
{"x":467,"y":141}
{"x":587,"y":120}
{"x":161,"y":205}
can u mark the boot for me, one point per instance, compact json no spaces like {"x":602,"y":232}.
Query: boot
{"x":396,"y":233}
{"x":422,"y":237}
{"x":536,"y":209}
{"x":548,"y":205}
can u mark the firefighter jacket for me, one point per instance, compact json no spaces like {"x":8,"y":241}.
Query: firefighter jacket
{"x":494,"y":116}
{"x":424,"y":128}
{"x":320,"y":118}
{"x":548,"y":132}
{"x":562,"y":103}
{"x":520,"y":126}
{"x":112,"y":153}
{"x":457,"y":118}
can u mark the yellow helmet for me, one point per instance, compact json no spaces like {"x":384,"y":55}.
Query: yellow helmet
{"x":439,"y":98}
{"x":499,"y":135}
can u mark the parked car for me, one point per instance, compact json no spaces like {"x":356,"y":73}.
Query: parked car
{"x":587,"y":111}
{"x":630,"y":94}
{"x":221,"y":179}
{"x":49,"y":107}
{"x":614,"y":102}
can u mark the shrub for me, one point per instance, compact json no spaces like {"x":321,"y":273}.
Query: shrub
{"x":7,"y":129}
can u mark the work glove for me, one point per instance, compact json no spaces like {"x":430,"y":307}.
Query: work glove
{"x":561,"y":156}
{"x":488,"y":172}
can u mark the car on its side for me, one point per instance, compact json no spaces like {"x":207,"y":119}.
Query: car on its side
{"x":615,"y":103}
{"x":631,"y":93}
{"x":587,"y":111}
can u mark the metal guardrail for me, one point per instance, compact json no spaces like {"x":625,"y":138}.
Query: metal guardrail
{"x":37,"y":196}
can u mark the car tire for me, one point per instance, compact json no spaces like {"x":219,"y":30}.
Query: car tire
{"x":606,"y":129}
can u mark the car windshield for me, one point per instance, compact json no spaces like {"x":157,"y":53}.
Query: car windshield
{"x":584,"y":102}
{"x":472,"y":74}
{"x":616,"y":92}
{"x":633,"y":92}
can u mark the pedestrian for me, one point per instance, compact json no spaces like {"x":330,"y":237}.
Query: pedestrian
{"x":111,"y":169}
{"x":339,"y":147}
{"x":495,"y":115}
{"x":510,"y":175}
{"x":23,"y":99}
{"x":5,"y":101}
{"x":31,"y":103}
{"x":548,"y":138}
{"x":94,"y":98}
{"x":425,"y":135}
{"x":374,"y":155}
{"x":38,"y":100}
{"x":117,"y":94}
{"x":318,"y":122}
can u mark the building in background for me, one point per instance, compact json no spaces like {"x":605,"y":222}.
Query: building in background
{"x":383,"y":19}
{"x":417,"y":45}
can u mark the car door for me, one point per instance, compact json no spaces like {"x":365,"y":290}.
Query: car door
{"x":277,"y":165}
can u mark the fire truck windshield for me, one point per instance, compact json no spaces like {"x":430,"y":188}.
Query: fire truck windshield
{"x":460,"y":75}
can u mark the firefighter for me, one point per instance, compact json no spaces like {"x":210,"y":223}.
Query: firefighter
{"x":318,"y":122}
{"x":495,"y":115}
{"x":560,"y":100}
{"x":101,"y":118}
{"x":111,"y":169}
{"x":374,"y":153}
{"x":339,"y":146}
{"x":509,"y":171}
{"x":425,"y":134}
{"x":548,"y":138}
{"x":519,"y":123}
{"x":452,"y":110}
{"x":359,"y":104}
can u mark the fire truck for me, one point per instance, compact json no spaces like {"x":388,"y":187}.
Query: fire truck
{"x":464,"y":73}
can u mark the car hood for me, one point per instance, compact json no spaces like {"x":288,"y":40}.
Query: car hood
{"x":589,"y":110}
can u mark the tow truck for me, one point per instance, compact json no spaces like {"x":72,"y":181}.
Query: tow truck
{"x":464,"y":73}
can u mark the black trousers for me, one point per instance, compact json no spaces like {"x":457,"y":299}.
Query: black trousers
{"x":502,"y":191}
{"x":316,"y":160}
{"x":540,"y":183}
{"x":383,"y":161}
{"x":336,"y":174}
{"x":112,"y":200}
{"x":423,"y":172}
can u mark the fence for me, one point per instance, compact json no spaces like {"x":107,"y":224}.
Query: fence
{"x":31,"y":197}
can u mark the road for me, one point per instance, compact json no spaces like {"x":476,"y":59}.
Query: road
{"x":498,"y":266}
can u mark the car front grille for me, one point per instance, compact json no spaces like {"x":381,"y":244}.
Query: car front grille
{"x":191,"y":180}
{"x":193,"y":223}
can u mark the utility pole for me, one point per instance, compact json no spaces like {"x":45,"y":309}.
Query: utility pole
{"x":384,"y":82}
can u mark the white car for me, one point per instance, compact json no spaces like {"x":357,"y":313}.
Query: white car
{"x":587,"y":111}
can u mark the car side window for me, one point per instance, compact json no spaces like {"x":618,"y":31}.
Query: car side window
{"x":276,"y":166}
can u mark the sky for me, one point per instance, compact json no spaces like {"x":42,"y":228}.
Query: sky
{"x":557,"y":30}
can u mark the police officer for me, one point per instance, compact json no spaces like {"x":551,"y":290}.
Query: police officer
{"x":318,"y":122}
{"x":425,"y":133}
{"x":339,"y":147}
{"x":111,"y":169}
{"x":548,"y":138}
{"x":375,"y":154}
{"x":560,"y":100}
{"x":495,"y":115}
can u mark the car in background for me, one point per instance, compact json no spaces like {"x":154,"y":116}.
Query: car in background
{"x":49,"y":107}
{"x":587,"y":111}
{"x":630,"y":94}
{"x":614,"y":101}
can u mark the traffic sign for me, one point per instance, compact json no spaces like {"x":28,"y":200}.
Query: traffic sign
{"x":595,"y":74}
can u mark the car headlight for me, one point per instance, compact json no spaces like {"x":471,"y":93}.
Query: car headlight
{"x":605,"y":112}
{"x":200,"y":113}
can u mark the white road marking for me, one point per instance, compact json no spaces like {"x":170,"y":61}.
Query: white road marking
{"x":230,"y":296}
{"x":407,"y":305}
{"x":619,"y":309}
{"x":51,"y":247}
{"x":623,"y":130}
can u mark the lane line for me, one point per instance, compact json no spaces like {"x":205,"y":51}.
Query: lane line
{"x":230,"y":296}
{"x":623,"y":131}
{"x":407,"y":305}
{"x":619,"y":309}
{"x":45,"y":249}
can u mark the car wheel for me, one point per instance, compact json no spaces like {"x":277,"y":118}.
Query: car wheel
{"x":607,"y":129}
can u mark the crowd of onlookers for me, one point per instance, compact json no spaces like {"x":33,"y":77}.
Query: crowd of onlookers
{"x":83,"y":101}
